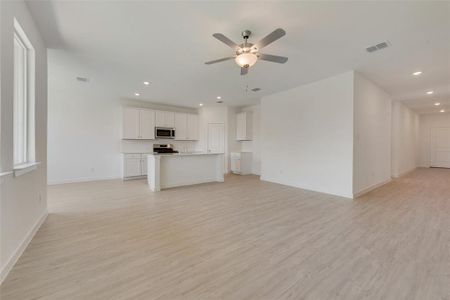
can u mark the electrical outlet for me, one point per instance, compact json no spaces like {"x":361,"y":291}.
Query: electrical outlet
{"x":92,"y":170}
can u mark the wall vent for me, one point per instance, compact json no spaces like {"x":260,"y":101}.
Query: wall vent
{"x":378,"y":46}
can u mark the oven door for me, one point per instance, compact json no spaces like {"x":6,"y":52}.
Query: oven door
{"x":164,"y":133}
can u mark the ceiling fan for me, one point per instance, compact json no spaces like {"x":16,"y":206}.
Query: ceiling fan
{"x":246,"y":54}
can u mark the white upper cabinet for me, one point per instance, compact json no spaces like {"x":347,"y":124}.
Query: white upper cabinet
{"x":181,"y":126}
{"x":244,"y":126}
{"x":147,"y":126}
{"x":138,"y":123}
{"x":165,"y":118}
{"x":186,"y":127}
{"x":130,"y":123}
{"x":192,"y":127}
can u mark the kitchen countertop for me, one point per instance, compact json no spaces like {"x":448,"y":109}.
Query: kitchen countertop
{"x":184,"y":154}
{"x":137,"y":152}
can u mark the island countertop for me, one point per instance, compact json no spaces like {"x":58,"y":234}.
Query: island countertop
{"x":184,"y":154}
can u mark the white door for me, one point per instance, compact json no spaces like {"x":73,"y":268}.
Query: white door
{"x":216,"y":138}
{"x":147,"y":124}
{"x":440,"y":147}
{"x":130,"y":123}
{"x":180,"y":126}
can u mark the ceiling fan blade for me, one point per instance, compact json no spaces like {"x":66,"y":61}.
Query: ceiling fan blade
{"x":273,"y":58}
{"x":244,"y":71}
{"x":218,"y":60}
{"x":226,"y":40}
{"x":270,"y":38}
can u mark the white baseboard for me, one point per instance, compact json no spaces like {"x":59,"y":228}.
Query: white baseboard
{"x":371,"y":188}
{"x":344,"y":196}
{"x":404,"y":173}
{"x":21,"y":248}
{"x":85,"y":179}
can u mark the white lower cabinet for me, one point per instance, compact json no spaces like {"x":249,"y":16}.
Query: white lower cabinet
{"x":134,"y":165}
{"x":241,"y":163}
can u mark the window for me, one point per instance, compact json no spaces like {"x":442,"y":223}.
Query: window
{"x":23,"y":115}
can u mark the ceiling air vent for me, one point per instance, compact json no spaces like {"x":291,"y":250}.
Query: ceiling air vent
{"x":378,"y":47}
{"x":256,"y":89}
{"x":83,"y":79}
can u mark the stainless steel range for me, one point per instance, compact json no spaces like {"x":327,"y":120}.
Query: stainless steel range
{"x":163,"y":148}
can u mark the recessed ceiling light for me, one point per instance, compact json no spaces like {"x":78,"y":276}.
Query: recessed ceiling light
{"x":417,"y":73}
{"x":218,"y":97}
{"x":146,"y":82}
{"x":437,"y":104}
{"x":430,"y":92}
{"x":442,"y":110}
{"x":137,"y":94}
{"x":201,"y":104}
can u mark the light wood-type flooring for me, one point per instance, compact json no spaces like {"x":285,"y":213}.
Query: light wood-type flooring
{"x":242,"y":239}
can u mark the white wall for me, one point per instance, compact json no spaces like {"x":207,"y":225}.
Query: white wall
{"x":372,"y":135}
{"x":85,"y":123}
{"x":428,"y":121}
{"x":405,"y":139}
{"x":23,"y":204}
{"x":254,"y":145}
{"x":307,"y":136}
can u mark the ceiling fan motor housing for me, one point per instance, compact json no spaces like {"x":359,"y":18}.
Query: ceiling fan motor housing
{"x":246,"y":34}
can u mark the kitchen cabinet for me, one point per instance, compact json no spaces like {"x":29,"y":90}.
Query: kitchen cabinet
{"x":181,"y":130}
{"x":186,"y":127}
{"x":138,"y":123}
{"x":244,"y":126}
{"x":165,"y":119}
{"x":134,"y":165}
{"x":192,"y":127}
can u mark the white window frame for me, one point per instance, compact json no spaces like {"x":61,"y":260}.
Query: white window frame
{"x":24,"y":103}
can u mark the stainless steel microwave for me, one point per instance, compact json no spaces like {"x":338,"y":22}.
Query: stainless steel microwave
{"x":164,"y":133}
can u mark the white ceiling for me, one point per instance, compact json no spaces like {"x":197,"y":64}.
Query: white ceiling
{"x":168,"y":42}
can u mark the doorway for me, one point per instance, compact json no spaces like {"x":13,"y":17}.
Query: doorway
{"x":440,"y":147}
{"x":216,"y":138}
{"x":216,"y":141}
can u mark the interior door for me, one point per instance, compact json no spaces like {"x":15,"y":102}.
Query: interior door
{"x":216,"y":138}
{"x":440,"y":147}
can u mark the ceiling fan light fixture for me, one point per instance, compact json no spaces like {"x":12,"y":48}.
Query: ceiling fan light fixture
{"x":246,"y":60}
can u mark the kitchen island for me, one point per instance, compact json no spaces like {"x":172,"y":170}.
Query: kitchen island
{"x":179,"y":169}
